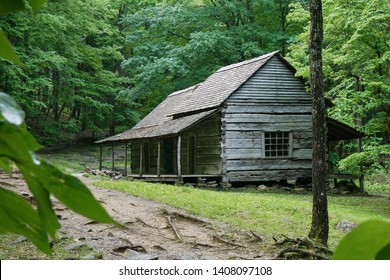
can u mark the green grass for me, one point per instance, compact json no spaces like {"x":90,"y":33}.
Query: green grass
{"x":269,"y":214}
{"x":75,"y":159}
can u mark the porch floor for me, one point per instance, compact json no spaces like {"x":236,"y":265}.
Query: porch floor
{"x":173,"y":178}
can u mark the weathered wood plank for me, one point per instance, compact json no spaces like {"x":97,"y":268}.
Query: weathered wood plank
{"x":210,"y":150}
{"x":244,"y":153}
{"x":205,"y":141}
{"x":208,"y":169}
{"x":302,"y":143}
{"x":243,"y":134}
{"x":208,"y":159}
{"x":273,"y":98}
{"x":270,"y":108}
{"x":302,"y":153}
{"x":255,"y":143}
{"x":266,"y":118}
{"x":268,"y":164}
{"x":257,"y":176}
{"x":268,"y":127}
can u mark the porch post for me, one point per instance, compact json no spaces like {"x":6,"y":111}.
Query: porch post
{"x":130,"y":168}
{"x":141,"y":155}
{"x":179,"y":157}
{"x":159,"y":158}
{"x":100,"y":156}
{"x":126,"y":158}
{"x":113,"y":157}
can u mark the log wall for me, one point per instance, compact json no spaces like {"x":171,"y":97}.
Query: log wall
{"x":272,"y":100}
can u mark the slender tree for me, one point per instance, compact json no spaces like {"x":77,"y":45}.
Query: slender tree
{"x":320,"y":223}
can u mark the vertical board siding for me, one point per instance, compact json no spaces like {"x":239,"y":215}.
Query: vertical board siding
{"x":208,"y":159}
{"x":273,"y":99}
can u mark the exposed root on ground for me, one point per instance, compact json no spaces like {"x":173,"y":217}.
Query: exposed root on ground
{"x":304,"y":248}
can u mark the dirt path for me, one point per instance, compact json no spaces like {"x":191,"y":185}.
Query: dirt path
{"x":152,"y":230}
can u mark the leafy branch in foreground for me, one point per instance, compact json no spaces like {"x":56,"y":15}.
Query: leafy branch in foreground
{"x":368,"y":241}
{"x":16,"y":215}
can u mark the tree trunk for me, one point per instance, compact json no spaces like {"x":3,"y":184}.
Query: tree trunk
{"x":111,"y":129}
{"x":320,"y":222}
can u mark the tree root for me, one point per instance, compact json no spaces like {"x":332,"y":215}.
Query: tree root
{"x":144,"y":223}
{"x":185,"y":216}
{"x":220,"y":239}
{"x":299,"y":253}
{"x":302,"y":249}
{"x":257,"y":237}
{"x":174,"y":229}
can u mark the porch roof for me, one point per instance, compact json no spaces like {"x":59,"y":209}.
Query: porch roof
{"x":171,"y":126}
{"x":340,"y":131}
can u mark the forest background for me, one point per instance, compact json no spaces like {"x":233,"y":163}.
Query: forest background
{"x":94,"y":68}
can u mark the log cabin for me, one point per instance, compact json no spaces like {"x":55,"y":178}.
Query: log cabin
{"x":247,"y":122}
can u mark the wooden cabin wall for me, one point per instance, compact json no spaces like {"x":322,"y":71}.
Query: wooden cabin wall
{"x":272,"y":100}
{"x":207,"y":138}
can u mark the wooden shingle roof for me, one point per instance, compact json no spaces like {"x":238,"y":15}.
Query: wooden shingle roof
{"x":184,"y":108}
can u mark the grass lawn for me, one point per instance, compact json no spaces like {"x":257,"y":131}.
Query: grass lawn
{"x":269,"y":214}
{"x":75,"y":159}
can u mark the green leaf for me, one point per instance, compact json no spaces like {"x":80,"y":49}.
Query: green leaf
{"x":368,"y":241}
{"x":73,"y":193}
{"x":6,"y":50}
{"x":10,"y":110}
{"x":42,"y":197}
{"x":4,"y":164}
{"x":384,"y":253}
{"x":36,"y":5}
{"x":18,"y":216}
{"x":8,"y":6}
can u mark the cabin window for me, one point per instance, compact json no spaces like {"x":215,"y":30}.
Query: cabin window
{"x":277,"y":144}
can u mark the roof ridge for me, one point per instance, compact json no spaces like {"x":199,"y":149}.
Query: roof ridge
{"x":249,"y":61}
{"x":184,"y":90}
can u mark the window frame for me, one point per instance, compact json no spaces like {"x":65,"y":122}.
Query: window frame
{"x":290,"y":144}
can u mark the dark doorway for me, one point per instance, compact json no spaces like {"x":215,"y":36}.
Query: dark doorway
{"x":168,"y":161}
{"x":191,"y":154}
{"x":146,"y":158}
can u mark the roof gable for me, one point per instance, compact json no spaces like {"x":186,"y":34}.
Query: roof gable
{"x":219,"y":86}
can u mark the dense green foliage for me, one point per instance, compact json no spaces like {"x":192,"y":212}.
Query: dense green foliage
{"x":176,"y":44}
{"x":71,"y":80}
{"x":90,"y":65}
{"x":18,"y":146}
{"x":357,"y":71}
